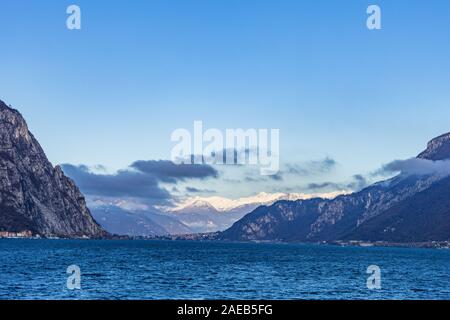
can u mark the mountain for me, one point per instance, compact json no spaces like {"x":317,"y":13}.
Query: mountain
{"x":121,"y":222}
{"x":192,"y":215}
{"x":203,"y":217}
{"x":137,"y":223}
{"x":210,"y":214}
{"x":36,"y":197}
{"x":424,"y":217}
{"x":437,"y":149}
{"x":406,"y":208}
{"x":222,"y":204}
{"x":171,"y":224}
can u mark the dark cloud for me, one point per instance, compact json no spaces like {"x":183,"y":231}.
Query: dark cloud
{"x":276,"y":177}
{"x":227,"y":156}
{"x":140,"y":180}
{"x":251,"y":179}
{"x":415,"y":166}
{"x":228,"y":180}
{"x":192,"y":189}
{"x":195,"y":190}
{"x":312,"y":167}
{"x":358,"y":182}
{"x":324,"y":185}
{"x":167,"y":171}
{"x":124,"y":183}
{"x":256,"y":177}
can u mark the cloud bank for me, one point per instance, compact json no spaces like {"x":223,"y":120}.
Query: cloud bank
{"x":141,"y":180}
{"x":357,"y":183}
{"x":416,"y":166}
{"x":312,"y":167}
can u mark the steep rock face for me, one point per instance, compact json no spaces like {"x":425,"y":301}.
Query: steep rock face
{"x":35,"y":196}
{"x":344,"y":216}
{"x":438,"y":148}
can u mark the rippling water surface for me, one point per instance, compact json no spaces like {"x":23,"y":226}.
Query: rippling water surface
{"x":36,"y":269}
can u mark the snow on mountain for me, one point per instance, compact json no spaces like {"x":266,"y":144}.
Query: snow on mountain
{"x":210,"y":214}
{"x":222,"y":204}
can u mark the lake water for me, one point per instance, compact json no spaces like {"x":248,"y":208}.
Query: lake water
{"x":36,"y":269}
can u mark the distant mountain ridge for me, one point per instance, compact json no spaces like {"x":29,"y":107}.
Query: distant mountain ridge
{"x":211,"y":214}
{"x":193,"y":215}
{"x":142,"y":223}
{"x":405,"y":208}
{"x":222,"y":204}
{"x":36,"y":197}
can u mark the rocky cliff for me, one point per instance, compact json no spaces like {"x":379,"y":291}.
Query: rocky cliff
{"x":438,"y":148}
{"x":34,"y":195}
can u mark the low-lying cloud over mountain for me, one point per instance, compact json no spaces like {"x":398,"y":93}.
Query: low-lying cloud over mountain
{"x":416,"y":166}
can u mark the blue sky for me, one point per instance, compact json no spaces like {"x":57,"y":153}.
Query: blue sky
{"x":113,"y":92}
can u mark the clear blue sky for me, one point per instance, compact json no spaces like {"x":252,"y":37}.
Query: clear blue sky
{"x":113,"y":92}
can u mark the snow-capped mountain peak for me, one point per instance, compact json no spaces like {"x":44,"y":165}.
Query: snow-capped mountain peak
{"x":223,"y":204}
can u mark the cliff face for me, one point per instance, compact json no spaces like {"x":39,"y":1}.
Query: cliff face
{"x":402,"y":209}
{"x":438,"y":148}
{"x":34,"y":195}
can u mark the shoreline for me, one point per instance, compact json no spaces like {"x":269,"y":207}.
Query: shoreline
{"x":208,"y":238}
